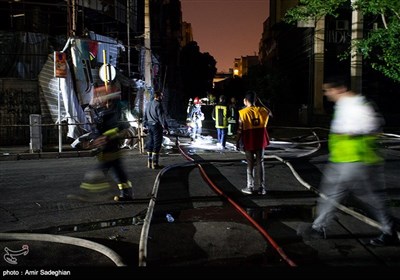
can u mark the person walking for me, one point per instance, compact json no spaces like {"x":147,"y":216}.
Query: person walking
{"x":196,"y":117}
{"x":107,"y":133}
{"x":252,"y":135}
{"x":354,"y":165}
{"x":156,"y":123}
{"x":233,"y":116}
{"x":220,"y":116}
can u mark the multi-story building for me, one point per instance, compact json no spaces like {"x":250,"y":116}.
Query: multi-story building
{"x":91,"y":33}
{"x":242,"y":64}
{"x":308,"y":52}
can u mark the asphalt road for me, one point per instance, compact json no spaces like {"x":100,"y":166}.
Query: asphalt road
{"x":42,"y":196}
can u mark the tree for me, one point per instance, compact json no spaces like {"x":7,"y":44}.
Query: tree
{"x":270,"y":84}
{"x":198,"y":71}
{"x":380,"y":47}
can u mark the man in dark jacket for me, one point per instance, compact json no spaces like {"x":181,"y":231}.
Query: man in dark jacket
{"x":156,"y":124}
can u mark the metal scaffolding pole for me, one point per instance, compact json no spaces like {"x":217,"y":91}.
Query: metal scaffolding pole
{"x":147,"y":45}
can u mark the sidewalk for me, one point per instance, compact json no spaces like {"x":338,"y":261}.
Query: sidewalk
{"x":23,"y":152}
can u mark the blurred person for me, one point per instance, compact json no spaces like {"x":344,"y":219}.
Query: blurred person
{"x":108,"y":130}
{"x":220,"y":116}
{"x":354,"y":166}
{"x":188,"y":119}
{"x":233,"y":116}
{"x":156,"y":124}
{"x":196,"y":117}
{"x":189,"y":109}
{"x":252,"y":135}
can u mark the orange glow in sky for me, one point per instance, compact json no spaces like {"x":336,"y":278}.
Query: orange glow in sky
{"x":226,"y":29}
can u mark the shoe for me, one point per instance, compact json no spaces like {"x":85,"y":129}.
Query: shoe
{"x":247,"y":190}
{"x":310,"y":233}
{"x":123,"y":198}
{"x":262,"y":191}
{"x":385,"y":240}
{"x":157,"y":166}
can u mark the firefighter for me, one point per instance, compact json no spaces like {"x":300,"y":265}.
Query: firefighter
{"x":196,"y":117}
{"x":107,"y":133}
{"x":220,"y":116}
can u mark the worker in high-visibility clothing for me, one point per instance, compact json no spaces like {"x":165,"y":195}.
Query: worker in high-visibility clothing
{"x":220,"y":116}
{"x":108,"y":131}
{"x":252,"y":136}
{"x":233,"y":117}
{"x":196,"y":117}
{"x":354,"y":166}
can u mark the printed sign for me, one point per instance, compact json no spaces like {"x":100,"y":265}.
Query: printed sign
{"x":60,"y":65}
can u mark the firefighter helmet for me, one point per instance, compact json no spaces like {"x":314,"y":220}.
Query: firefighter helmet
{"x":196,"y":100}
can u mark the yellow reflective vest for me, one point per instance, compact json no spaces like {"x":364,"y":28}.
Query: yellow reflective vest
{"x":220,"y":116}
{"x":254,"y":133}
{"x":353,"y":148}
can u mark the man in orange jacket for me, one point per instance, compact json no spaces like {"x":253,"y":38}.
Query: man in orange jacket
{"x":252,"y":135}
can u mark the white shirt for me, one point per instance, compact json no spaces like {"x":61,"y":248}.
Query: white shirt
{"x":354,"y":115}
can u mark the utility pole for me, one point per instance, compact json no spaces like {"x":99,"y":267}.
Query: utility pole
{"x":319,"y":61}
{"x":72,"y":17}
{"x":128,"y":37}
{"x":147,"y":46}
{"x":356,"y":57}
{"x":144,"y":98}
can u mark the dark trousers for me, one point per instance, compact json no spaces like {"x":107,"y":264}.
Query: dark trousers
{"x":154,"y":138}
{"x":116,"y":167}
{"x":221,"y":136}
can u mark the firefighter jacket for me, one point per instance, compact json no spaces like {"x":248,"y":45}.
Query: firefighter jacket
{"x":220,"y":116}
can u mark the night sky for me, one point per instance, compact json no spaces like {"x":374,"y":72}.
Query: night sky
{"x":226,"y":29}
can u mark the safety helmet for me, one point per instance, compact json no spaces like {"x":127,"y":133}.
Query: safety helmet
{"x":196,"y":100}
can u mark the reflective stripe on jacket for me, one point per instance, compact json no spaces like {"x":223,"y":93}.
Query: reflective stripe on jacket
{"x":220,"y":116}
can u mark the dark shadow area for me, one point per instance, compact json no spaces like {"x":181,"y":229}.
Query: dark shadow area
{"x":170,"y":240}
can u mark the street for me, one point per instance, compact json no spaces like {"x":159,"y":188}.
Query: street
{"x":42,"y":196}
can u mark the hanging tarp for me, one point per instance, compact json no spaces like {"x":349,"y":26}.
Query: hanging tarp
{"x":111,"y":46}
{"x":71,"y":111}
{"x":87,"y":54}
{"x":82,"y":53}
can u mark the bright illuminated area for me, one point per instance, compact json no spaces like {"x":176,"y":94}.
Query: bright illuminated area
{"x":209,"y":143}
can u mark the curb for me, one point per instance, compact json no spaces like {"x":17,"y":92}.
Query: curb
{"x":43,"y":155}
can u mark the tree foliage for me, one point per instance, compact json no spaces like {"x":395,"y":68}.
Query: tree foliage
{"x":380,"y":47}
{"x":270,"y":84}
{"x":198,"y":70}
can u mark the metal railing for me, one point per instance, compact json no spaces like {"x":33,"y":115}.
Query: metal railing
{"x":17,"y":130}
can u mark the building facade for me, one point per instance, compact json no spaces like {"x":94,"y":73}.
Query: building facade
{"x":92,"y":33}
{"x":309,"y":52}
